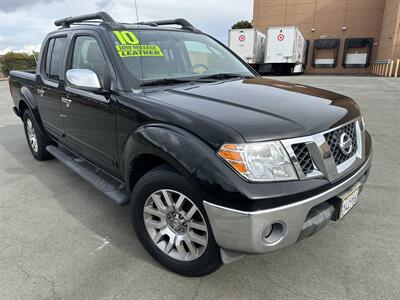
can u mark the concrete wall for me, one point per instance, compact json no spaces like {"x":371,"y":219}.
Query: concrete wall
{"x":362,"y":18}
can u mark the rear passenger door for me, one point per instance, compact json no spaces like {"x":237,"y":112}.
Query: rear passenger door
{"x":90,"y":119}
{"x":50,"y":85}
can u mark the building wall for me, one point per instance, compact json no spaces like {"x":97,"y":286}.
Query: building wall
{"x":389,"y":40}
{"x":362,"y":18}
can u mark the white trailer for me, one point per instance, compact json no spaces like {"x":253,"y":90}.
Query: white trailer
{"x":248,"y":44}
{"x":285,"y":50}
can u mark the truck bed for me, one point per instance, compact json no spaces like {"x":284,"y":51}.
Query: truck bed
{"x":26,"y":74}
{"x":19,"y":80}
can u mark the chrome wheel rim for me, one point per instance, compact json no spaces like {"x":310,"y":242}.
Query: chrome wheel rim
{"x":31,"y":135}
{"x":175,"y":225}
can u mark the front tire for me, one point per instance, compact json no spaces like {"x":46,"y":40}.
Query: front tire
{"x":36,"y":141}
{"x":172,"y":225}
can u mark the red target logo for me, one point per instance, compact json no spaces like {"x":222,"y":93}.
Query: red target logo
{"x":242,"y":38}
{"x":281,"y":37}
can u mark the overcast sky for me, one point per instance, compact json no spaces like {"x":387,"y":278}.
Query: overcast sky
{"x":24,"y":23}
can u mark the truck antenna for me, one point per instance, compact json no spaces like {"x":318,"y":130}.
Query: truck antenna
{"x":137,"y":14}
{"x":137,"y":20}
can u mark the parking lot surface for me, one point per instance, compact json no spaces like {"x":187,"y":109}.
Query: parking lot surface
{"x":60,"y":238}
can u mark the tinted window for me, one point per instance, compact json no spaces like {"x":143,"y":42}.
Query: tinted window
{"x":87,"y":55}
{"x":56,"y":59}
{"x":48,"y":56}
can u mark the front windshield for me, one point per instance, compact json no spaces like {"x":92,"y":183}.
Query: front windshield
{"x":173,"y":54}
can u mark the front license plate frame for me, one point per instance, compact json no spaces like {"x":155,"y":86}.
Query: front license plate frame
{"x":348,"y":201}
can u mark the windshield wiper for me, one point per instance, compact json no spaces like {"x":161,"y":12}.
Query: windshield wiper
{"x":168,"y":81}
{"x":223,"y":76}
{"x":165,"y":81}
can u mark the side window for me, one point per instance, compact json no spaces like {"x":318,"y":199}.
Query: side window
{"x":53,"y":69}
{"x":87,"y":55}
{"x":48,"y":57}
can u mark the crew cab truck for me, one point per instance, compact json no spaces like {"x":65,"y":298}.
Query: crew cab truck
{"x":214,"y":161}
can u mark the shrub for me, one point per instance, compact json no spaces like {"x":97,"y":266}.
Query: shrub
{"x":16,"y":61}
{"x":242,"y":25}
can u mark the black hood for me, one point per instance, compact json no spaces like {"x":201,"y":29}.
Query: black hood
{"x":263,"y":109}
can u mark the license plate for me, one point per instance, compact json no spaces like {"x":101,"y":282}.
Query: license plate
{"x":348,"y":201}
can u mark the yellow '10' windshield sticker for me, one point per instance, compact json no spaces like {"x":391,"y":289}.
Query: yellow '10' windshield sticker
{"x":129,"y":46}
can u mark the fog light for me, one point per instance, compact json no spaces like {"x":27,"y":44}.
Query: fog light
{"x":274,"y":233}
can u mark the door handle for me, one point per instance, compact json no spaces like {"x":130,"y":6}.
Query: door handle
{"x":66,"y":101}
{"x":40,"y":92}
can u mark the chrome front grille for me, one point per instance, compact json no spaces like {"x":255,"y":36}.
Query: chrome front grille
{"x":333,"y":140}
{"x":303,"y":157}
{"x":329,"y":154}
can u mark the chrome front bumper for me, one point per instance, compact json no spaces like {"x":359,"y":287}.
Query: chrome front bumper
{"x":243,"y":232}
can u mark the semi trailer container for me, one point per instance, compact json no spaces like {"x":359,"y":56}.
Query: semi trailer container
{"x":285,"y":50}
{"x":248,"y":44}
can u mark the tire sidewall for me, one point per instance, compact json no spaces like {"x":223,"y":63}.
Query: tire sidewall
{"x":156,"y":180}
{"x":41,"y":154}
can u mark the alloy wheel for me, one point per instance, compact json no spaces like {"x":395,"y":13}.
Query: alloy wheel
{"x":32,"y":135}
{"x":175,"y":225}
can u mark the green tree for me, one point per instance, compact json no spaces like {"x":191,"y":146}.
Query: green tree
{"x":242,"y":25}
{"x":16,"y":61}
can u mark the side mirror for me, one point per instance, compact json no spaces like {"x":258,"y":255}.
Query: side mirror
{"x":84,"y":79}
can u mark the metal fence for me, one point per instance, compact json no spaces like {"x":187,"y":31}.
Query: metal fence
{"x":386,"y":67}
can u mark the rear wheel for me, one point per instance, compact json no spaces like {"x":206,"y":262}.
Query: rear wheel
{"x":170,"y":221}
{"x":36,"y":141}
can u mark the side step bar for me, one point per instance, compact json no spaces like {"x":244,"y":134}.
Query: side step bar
{"x":111,"y":190}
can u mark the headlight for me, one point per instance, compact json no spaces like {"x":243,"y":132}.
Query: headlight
{"x":266,"y":161}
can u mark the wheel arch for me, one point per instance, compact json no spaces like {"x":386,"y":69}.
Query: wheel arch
{"x":142,"y":164}
{"x":27,"y":101}
{"x":153,"y":145}
{"x":22,"y":107}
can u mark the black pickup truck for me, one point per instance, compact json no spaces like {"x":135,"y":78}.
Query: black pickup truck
{"x":214,"y":161}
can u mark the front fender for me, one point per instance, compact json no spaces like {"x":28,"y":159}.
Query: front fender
{"x":181,"y":149}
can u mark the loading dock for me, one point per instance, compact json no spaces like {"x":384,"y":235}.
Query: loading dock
{"x":357,"y":52}
{"x":325,"y":53}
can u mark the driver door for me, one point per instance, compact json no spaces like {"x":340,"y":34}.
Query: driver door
{"x":89,"y":118}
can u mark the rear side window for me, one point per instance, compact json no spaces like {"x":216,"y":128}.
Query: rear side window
{"x":54,"y":57}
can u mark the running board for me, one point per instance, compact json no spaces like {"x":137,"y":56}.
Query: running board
{"x":114,"y":191}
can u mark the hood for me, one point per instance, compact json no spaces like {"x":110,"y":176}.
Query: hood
{"x":261,"y":109}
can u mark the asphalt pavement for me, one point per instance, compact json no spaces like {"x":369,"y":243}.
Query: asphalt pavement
{"x":62,"y":239}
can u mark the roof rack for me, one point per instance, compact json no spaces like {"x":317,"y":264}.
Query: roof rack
{"x":101,"y":15}
{"x":186,"y":25}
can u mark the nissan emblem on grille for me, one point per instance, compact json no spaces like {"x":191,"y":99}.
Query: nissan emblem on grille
{"x":342,"y":142}
{"x":328,"y":154}
{"x":345,"y":144}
